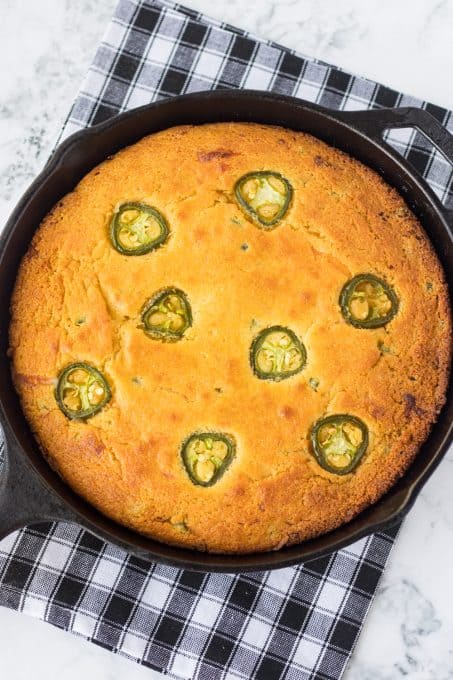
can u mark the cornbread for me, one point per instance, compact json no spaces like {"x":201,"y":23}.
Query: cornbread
{"x":231,"y":337}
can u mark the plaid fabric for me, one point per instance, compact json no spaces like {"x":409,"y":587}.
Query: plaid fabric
{"x":299,"y":623}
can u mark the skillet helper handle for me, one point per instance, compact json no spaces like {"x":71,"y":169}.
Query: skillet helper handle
{"x":24,"y":497}
{"x":374,"y":123}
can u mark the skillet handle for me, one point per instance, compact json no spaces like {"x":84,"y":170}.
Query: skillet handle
{"x":374,"y":123}
{"x":24,"y":496}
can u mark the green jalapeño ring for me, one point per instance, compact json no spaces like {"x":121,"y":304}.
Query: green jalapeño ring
{"x":264,"y":196}
{"x":277,"y":353}
{"x":367,"y":301}
{"x":167,"y":315}
{"x":206,"y":456}
{"x":82,"y":391}
{"x":339,"y":442}
{"x":137,"y":228}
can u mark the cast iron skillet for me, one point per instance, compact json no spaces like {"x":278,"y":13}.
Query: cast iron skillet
{"x":29,"y":490}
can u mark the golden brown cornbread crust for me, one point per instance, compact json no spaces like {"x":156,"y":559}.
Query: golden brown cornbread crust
{"x":343,"y":220}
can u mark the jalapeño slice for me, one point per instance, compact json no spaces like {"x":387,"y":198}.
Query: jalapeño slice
{"x":167,"y":315}
{"x":367,"y":301}
{"x":339,"y":442}
{"x":265,"y":196}
{"x":137,"y":228}
{"x":277,"y":353}
{"x":81,"y":391}
{"x":206,"y":456}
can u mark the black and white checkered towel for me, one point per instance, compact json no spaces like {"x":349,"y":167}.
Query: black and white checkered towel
{"x":299,"y":623}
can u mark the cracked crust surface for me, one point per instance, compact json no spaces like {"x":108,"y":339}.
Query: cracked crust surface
{"x":77,"y":299}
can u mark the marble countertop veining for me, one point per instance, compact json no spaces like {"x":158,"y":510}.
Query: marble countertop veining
{"x":45,"y":49}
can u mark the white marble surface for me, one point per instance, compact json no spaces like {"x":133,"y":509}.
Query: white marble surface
{"x":45,"y":48}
